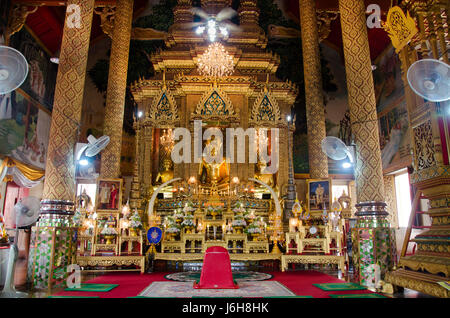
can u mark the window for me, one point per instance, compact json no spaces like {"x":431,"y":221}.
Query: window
{"x":403,"y":194}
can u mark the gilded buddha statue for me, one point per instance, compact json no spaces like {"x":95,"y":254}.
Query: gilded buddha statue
{"x":167,"y":173}
{"x":213,"y":172}
{"x":267,"y":178}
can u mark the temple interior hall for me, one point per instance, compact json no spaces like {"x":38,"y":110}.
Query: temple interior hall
{"x":224,"y":149}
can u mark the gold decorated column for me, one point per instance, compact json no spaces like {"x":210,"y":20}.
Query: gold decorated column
{"x":117,"y":83}
{"x":362,"y":104}
{"x":51,"y":243}
{"x":60,"y":168}
{"x":315,"y":114}
{"x":372,"y":231}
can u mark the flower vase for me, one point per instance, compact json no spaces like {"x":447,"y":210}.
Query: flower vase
{"x":109,"y":239}
{"x":213,"y":213}
{"x":132,"y":232}
{"x":255,"y":236}
{"x":238,"y":229}
{"x":170,"y":236}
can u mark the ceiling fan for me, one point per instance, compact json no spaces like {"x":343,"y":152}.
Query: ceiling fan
{"x":215,"y":25}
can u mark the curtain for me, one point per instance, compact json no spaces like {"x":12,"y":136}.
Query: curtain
{"x":23,"y":175}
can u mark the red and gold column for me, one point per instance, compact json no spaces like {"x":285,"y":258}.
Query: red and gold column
{"x":52,"y":237}
{"x":373,"y":239}
{"x":60,"y":168}
{"x":117,"y":84}
{"x":315,"y":113}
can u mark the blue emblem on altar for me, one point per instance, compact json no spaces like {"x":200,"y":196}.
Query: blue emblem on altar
{"x":154,"y":235}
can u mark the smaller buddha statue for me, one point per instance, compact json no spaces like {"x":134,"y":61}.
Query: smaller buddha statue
{"x":166,"y":174}
{"x":267,"y":178}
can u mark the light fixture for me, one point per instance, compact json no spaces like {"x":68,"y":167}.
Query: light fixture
{"x":346,"y":165}
{"x":235,"y":180}
{"x":83,"y":162}
{"x":192,"y":180}
{"x":54,"y":60}
{"x":200,"y":30}
{"x":215,"y":61}
{"x":140,"y":114}
{"x":288,"y":118}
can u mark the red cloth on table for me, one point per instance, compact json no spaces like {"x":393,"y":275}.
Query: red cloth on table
{"x":216,"y":270}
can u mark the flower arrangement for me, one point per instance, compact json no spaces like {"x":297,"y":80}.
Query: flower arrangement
{"x":211,"y":208}
{"x":239,"y":207}
{"x":173,"y":229}
{"x":238,"y":222}
{"x":178,"y":214}
{"x":135,"y":221}
{"x":189,"y":207}
{"x":253,"y":229}
{"x":188,"y":221}
{"x":108,"y":231}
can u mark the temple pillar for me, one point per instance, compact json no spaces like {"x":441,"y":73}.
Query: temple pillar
{"x":59,"y":186}
{"x":373,"y":239}
{"x":117,"y":84}
{"x":315,"y":113}
{"x":135,"y":201}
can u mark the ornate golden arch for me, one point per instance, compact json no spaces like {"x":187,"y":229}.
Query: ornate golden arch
{"x":265,"y":110}
{"x":215,"y":105}
{"x":164,"y":109}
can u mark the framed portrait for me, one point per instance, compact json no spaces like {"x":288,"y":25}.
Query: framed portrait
{"x":319,"y":194}
{"x":109,"y":195}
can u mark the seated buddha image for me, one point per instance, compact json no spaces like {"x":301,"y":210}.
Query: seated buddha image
{"x":166,"y":174}
{"x":214,"y":172}
{"x":264,"y":176}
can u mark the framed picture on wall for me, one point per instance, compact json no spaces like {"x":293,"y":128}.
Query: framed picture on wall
{"x":109,"y":195}
{"x":319,"y":194}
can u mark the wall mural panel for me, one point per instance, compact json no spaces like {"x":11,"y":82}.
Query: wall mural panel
{"x":40,"y":83}
{"x":395,"y":132}
{"x":391,"y":107}
{"x":25,"y":114}
{"x":24,"y":129}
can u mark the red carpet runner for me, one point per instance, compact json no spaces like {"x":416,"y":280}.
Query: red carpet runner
{"x":131,"y":284}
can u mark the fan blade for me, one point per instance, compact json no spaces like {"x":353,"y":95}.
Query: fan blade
{"x":231,"y":26}
{"x":192,"y":25}
{"x":225,"y":14}
{"x":202,"y":14}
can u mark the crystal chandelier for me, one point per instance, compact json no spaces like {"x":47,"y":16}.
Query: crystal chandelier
{"x":215,"y":61}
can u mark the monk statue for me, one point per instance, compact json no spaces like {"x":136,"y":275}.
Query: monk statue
{"x":263,"y":176}
{"x":166,"y":174}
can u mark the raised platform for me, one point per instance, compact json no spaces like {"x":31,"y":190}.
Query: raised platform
{"x":422,"y":282}
{"x":233,"y":256}
{"x":107,"y":261}
{"x":313,"y":259}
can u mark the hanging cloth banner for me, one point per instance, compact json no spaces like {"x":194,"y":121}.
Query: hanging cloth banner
{"x":401,"y":28}
{"x":22,"y":174}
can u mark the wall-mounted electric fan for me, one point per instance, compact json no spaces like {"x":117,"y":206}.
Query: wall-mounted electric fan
{"x":92,"y":148}
{"x":336,"y":149}
{"x":430,"y":79}
{"x":13,"y":69}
